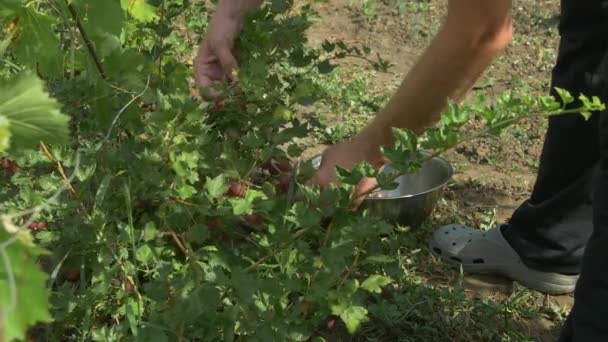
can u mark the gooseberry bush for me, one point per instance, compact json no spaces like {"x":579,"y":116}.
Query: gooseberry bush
{"x":134,"y":210}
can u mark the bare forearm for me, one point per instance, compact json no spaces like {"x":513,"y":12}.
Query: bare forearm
{"x":446,"y":71}
{"x":237,"y":8}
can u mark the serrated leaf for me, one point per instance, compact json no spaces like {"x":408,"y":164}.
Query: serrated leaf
{"x":303,"y":216}
{"x":241,"y":206}
{"x":375,"y":282}
{"x":30,"y":303}
{"x":140,"y":10}
{"x":353,"y":317}
{"x":36,"y":44}
{"x":216,"y":187}
{"x":150,"y":231}
{"x":565,"y":95}
{"x":144,"y":253}
{"x":405,"y":138}
{"x":5,"y":134}
{"x":33,"y":115}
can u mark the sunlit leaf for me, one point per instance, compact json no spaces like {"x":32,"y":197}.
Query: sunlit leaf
{"x":140,"y":10}
{"x":28,"y":304}
{"x":33,"y":115}
{"x":5,"y":134}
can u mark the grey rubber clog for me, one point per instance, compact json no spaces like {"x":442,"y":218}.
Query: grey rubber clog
{"x":487,"y":252}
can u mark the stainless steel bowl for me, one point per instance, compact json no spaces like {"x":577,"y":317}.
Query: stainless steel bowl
{"x":413,"y":201}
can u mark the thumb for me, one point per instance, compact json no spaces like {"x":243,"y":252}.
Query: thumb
{"x":227,"y":61}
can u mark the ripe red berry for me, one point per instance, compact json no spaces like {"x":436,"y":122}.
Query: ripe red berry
{"x":219,"y":104}
{"x":283,"y":165}
{"x":237,"y":189}
{"x":14,"y":168}
{"x":35,"y":226}
{"x":226,"y":237}
{"x":283,"y":182}
{"x":254,"y":219}
{"x":330,"y":324}
{"x":129,"y":286}
{"x":72,"y":274}
{"x":212,"y":224}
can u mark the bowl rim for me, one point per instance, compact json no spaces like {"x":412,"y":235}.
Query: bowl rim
{"x":450,"y":175}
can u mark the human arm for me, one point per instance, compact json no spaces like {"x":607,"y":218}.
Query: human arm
{"x":472,"y":36}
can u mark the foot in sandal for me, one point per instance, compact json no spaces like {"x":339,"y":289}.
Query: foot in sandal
{"x":488,"y":252}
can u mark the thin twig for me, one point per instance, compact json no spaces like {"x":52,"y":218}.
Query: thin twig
{"x":87,"y":41}
{"x":48,"y":154}
{"x":179,"y":243}
{"x":276,"y":251}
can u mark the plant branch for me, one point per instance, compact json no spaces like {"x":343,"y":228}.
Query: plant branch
{"x":354,"y":264}
{"x":48,"y":154}
{"x":479,"y":134}
{"x":87,"y":41}
{"x":279,"y":249}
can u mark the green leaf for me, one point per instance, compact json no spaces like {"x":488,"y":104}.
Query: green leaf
{"x":303,"y":216}
{"x":5,"y":134}
{"x":565,"y":95}
{"x":144,"y":254}
{"x":325,"y":67}
{"x":282,"y":113}
{"x":354,"y":176}
{"x":374,"y":283}
{"x":36,"y":44}
{"x":140,"y":10}
{"x":33,"y":115}
{"x":29,"y":304}
{"x":150,"y":231}
{"x":353,"y":317}
{"x":152,"y":334}
{"x":101,"y":192}
{"x":242,"y":206}
{"x":405,"y":138}
{"x":216,"y":187}
{"x":102,"y":16}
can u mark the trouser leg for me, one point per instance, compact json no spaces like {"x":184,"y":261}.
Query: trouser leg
{"x":588,"y":320}
{"x":570,"y":153}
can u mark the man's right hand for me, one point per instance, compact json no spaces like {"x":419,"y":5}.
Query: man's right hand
{"x":215,"y":61}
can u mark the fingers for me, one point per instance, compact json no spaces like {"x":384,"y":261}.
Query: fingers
{"x":365,"y":185}
{"x":227,"y":61}
{"x":211,"y":66}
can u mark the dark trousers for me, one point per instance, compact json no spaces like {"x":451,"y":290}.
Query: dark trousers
{"x":573,"y":173}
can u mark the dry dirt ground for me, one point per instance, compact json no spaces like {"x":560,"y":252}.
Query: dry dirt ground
{"x":493,"y":175}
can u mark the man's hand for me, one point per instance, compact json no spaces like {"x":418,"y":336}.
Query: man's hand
{"x":347,"y":155}
{"x":215,"y":60}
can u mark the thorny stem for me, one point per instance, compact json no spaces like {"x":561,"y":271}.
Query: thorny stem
{"x":87,"y":41}
{"x":354,"y":264}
